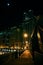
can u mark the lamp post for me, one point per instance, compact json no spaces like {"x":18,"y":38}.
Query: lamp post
{"x":25,"y":35}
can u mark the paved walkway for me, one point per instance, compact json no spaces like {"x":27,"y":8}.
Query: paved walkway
{"x":26,"y":54}
{"x":25,"y":59}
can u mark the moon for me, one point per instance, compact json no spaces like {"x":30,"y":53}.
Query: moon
{"x":8,"y":4}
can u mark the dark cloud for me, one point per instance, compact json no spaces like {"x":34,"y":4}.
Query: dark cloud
{"x":12,"y":15}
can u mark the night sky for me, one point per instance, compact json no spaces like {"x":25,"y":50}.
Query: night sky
{"x":11,"y":11}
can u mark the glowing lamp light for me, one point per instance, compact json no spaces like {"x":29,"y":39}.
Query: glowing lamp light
{"x":26,"y":41}
{"x":25,"y":48}
{"x":25,"y":35}
{"x":15,"y":47}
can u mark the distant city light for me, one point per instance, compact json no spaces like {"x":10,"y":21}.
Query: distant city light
{"x":17,"y":47}
{"x":1,"y":53}
{"x":18,"y":29}
{"x":24,"y":12}
{"x":30,"y":10}
{"x":26,"y":41}
{"x":1,"y":46}
{"x":11,"y":47}
{"x":26,"y":18}
{"x":25,"y":47}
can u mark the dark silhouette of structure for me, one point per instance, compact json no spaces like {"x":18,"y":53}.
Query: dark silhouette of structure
{"x":34,"y":40}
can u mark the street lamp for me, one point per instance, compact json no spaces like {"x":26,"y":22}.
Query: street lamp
{"x":25,"y":35}
{"x":26,"y":42}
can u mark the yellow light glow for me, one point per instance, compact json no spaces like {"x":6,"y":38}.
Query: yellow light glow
{"x":26,"y":41}
{"x":25,"y":48}
{"x":38,"y":34}
{"x":11,"y":47}
{"x":2,"y":46}
{"x":25,"y":35}
{"x":17,"y":47}
{"x":1,"y":53}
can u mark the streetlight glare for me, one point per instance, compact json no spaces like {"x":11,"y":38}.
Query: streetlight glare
{"x":25,"y":47}
{"x":26,"y":41}
{"x":25,"y":35}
